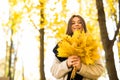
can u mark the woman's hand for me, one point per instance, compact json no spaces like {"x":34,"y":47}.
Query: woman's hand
{"x":77,"y":63}
{"x":74,"y":61}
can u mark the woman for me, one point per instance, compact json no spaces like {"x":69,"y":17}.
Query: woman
{"x":62,"y":67}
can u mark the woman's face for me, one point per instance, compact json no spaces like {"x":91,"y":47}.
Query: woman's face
{"x":76,"y":24}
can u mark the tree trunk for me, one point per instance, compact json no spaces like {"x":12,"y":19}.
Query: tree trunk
{"x":42,"y":74}
{"x":42,"y":19}
{"x":119,"y":9}
{"x":107,"y":44}
{"x":10,"y":69}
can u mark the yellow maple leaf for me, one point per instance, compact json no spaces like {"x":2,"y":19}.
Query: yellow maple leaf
{"x":80,"y":44}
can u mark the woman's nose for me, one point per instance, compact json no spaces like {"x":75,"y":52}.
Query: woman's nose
{"x":76,"y":23}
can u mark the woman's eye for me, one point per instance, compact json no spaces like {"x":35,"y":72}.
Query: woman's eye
{"x":73,"y":23}
{"x":80,"y":22}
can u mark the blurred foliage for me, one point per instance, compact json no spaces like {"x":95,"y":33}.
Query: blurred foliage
{"x":55,"y":14}
{"x":119,"y":48}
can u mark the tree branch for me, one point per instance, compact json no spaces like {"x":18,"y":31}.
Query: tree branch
{"x":118,"y":25}
{"x":102,"y":23}
{"x":116,"y":32}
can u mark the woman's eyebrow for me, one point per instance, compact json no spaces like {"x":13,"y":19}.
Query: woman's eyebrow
{"x":72,"y":21}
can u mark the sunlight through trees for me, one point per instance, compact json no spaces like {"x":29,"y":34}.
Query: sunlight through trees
{"x":21,"y":22}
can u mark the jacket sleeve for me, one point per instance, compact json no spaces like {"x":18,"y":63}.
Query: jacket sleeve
{"x":92,"y":71}
{"x":59,"y":69}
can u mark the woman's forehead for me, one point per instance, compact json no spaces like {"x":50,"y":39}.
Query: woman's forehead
{"x":76,"y":18}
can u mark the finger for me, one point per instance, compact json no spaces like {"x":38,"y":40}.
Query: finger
{"x":74,"y":60}
{"x":73,"y":56}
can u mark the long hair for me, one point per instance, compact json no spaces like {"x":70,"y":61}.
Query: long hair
{"x":69,"y":30}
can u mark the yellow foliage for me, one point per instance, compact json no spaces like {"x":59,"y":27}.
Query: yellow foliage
{"x":96,"y":32}
{"x":111,"y":9}
{"x":64,"y":3}
{"x":42,"y":1}
{"x":80,"y":44}
{"x":118,"y":48}
{"x":13,"y":2}
{"x":60,"y":31}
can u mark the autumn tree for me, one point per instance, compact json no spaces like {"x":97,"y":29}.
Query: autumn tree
{"x":14,"y":20}
{"x":107,"y":43}
{"x":16,"y":16}
{"x":41,"y":31}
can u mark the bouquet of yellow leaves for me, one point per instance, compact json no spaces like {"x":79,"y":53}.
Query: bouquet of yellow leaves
{"x":81,"y":44}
